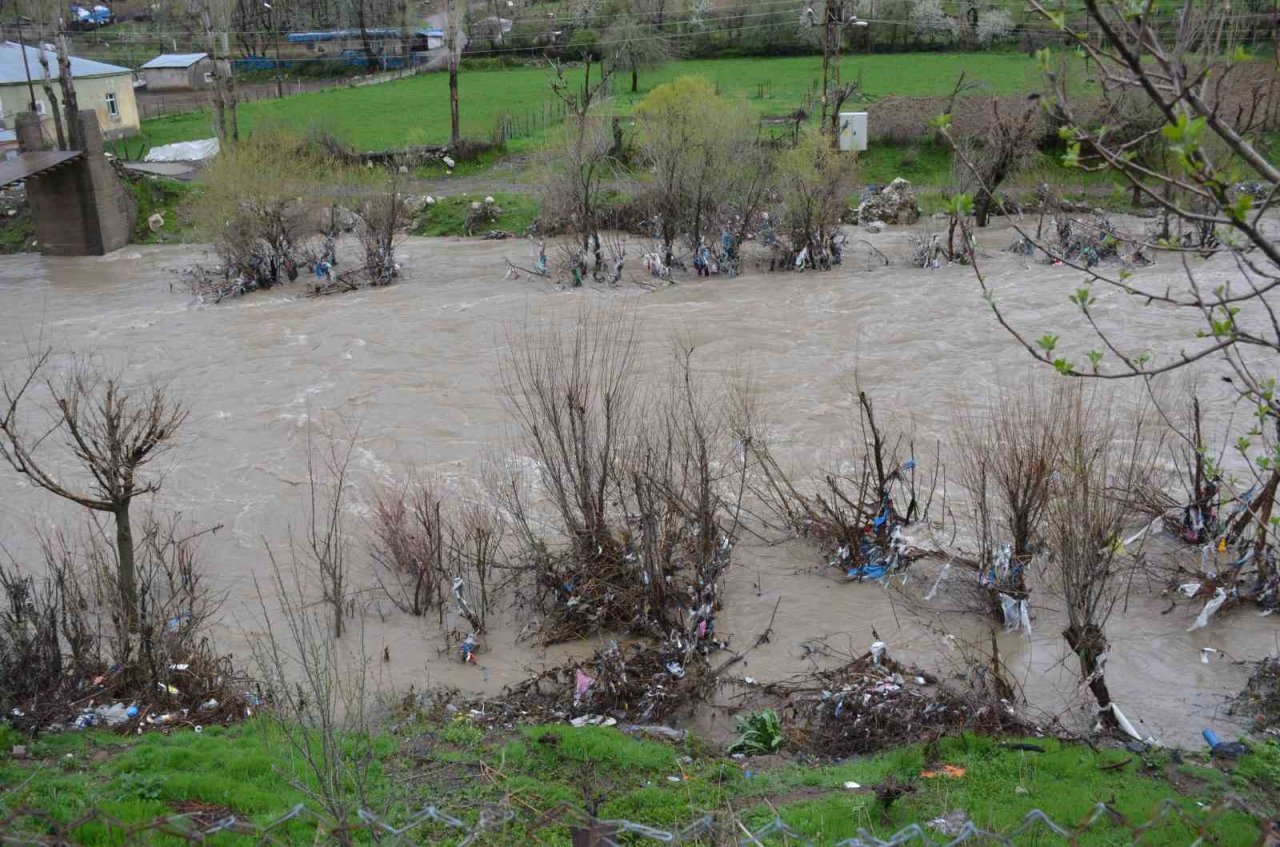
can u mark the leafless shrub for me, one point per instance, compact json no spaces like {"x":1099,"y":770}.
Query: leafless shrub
{"x":985,"y":161}
{"x":854,"y":511}
{"x":1007,"y":458}
{"x":639,"y":508}
{"x":476,"y":554}
{"x":1102,"y":460}
{"x":421,"y":545}
{"x":318,"y":698}
{"x":67,"y":635}
{"x":326,"y":530}
{"x":380,"y":220}
{"x":408,"y":547}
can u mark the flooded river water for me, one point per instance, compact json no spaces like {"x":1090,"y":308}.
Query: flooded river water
{"x":415,"y":365}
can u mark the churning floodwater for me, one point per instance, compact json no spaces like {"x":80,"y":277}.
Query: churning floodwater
{"x":413,"y":368}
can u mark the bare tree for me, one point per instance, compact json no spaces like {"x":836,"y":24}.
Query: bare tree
{"x":995,"y":155}
{"x":318,"y":698}
{"x":636,"y":45}
{"x":1007,"y":458}
{"x":577,"y":177}
{"x":455,"y":11}
{"x":1101,"y":462}
{"x":214,"y":18}
{"x":326,"y":543}
{"x":47,"y":84}
{"x":1211,"y":178}
{"x":112,"y":430}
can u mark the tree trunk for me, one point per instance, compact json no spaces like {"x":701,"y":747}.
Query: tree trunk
{"x":1088,"y":643}
{"x":126,"y":576}
{"x":47,"y":84}
{"x":635,"y":79}
{"x":455,"y":134}
{"x":982,"y":207}
{"x":69,"y":101}
{"x":1264,"y":510}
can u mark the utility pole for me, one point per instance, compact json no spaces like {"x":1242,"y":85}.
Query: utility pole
{"x":834,"y":92}
{"x":275,"y":37}
{"x":26,"y":66}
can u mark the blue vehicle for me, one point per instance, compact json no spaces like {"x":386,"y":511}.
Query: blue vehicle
{"x":90,"y":17}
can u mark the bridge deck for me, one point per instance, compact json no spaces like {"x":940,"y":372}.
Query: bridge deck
{"x":26,"y":165}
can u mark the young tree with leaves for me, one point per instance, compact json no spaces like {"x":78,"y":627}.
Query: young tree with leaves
{"x":1210,"y":176}
{"x":688,"y":135}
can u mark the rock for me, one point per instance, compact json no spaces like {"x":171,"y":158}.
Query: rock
{"x":156,"y":222}
{"x":19,"y":751}
{"x":875,"y":226}
{"x":663,"y":732}
{"x":894,"y":204}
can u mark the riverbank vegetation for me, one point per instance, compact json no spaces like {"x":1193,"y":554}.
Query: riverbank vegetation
{"x":464,"y":767}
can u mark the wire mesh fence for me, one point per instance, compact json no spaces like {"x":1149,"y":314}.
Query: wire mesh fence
{"x":1169,"y":823}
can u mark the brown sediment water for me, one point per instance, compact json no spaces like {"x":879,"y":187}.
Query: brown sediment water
{"x":414,"y":368}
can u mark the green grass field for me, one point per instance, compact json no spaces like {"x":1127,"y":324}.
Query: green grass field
{"x":247,"y":770}
{"x":416,"y":110}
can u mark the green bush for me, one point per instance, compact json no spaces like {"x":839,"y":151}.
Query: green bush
{"x":759,"y":733}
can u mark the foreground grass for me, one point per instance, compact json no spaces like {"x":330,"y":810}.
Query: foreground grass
{"x":458,"y":767}
{"x":416,"y":110}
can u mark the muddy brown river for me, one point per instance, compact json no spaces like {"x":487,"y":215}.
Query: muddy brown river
{"x":414,"y":366}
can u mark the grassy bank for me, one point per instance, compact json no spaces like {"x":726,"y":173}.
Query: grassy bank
{"x":248,"y":770}
{"x":416,"y":110}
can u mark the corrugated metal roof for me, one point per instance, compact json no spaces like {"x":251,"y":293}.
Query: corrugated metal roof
{"x":174,"y":60}
{"x":12,"y":70}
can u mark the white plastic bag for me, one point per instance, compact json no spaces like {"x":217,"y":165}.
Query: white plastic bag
{"x":1214,"y":604}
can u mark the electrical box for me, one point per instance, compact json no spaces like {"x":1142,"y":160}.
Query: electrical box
{"x":853,"y":130}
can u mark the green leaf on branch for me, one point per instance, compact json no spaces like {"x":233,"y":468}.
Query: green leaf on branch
{"x":1082,"y":298}
{"x":1062,"y":366}
{"x":1047,"y":342}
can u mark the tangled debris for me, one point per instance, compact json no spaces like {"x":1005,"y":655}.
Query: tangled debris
{"x":636,"y":682}
{"x":204,"y":691}
{"x":894,"y":204}
{"x":1260,"y":699}
{"x":1089,"y":242}
{"x":874,"y":702}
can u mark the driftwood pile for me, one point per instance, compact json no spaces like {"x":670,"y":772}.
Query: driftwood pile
{"x":875,"y":702}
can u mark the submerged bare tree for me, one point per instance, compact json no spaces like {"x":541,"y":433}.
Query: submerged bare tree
{"x":636,"y":501}
{"x":1007,"y":457}
{"x":326,"y":543}
{"x":1199,"y":161}
{"x":408,"y":547}
{"x":587,"y":159}
{"x":113,"y":430}
{"x":1102,"y":461}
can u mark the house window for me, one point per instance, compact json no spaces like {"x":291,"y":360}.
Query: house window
{"x":113,"y":108}
{"x":208,"y":76}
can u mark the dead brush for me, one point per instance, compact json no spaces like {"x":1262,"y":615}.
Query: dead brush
{"x":68,"y":644}
{"x":639,"y":508}
{"x":843,"y":508}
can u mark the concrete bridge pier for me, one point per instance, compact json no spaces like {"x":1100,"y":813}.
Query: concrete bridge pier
{"x":79,"y":206}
